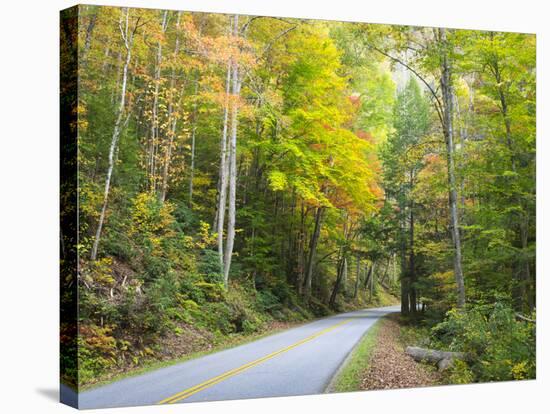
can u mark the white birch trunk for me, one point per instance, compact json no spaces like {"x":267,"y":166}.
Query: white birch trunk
{"x":173,"y":121}
{"x":128,"y":37}
{"x":154,"y":117}
{"x":236,"y":86}
{"x":224,"y":170}
{"x":193,"y":136}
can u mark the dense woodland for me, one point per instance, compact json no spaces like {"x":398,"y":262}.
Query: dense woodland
{"x":237,"y":171}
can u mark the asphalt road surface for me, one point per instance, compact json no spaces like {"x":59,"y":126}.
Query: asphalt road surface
{"x":298,"y":361}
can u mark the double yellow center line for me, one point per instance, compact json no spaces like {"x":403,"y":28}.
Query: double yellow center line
{"x":213,"y":381}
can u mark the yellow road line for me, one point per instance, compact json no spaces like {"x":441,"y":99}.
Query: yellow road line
{"x":212,"y":381}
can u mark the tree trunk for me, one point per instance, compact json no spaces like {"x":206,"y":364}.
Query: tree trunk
{"x":236,"y":86}
{"x":312,"y":250}
{"x":88,"y":38}
{"x":372,"y":282}
{"x":394,"y":269}
{"x":345,"y":276}
{"x":127,"y":37}
{"x":340,"y":275}
{"x":446,"y":90}
{"x":525,"y":266}
{"x":404,"y":273}
{"x":153,"y":145}
{"x":369,"y":275}
{"x":505,"y":115}
{"x":405,"y":304}
{"x":301,"y":251}
{"x":357,"y":276}
{"x":292,"y":251}
{"x":193,"y":136}
{"x":525,"y":271}
{"x":224,"y":170}
{"x":462,"y":134}
{"x":386,"y":273}
{"x":173,"y":121}
{"x":412,"y":270}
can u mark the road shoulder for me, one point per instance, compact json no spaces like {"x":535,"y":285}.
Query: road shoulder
{"x":378,"y":362}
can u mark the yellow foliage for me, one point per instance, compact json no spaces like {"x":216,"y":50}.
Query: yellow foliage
{"x":152,"y":219}
{"x":520,"y":370}
{"x":99,"y":272}
{"x":205,"y":237}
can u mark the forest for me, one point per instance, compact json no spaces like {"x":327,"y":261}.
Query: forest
{"x":237,"y":174}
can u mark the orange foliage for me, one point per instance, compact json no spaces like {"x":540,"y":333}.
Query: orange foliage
{"x":355,"y":99}
{"x":365,"y":136}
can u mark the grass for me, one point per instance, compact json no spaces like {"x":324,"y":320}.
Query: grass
{"x":349,"y":376}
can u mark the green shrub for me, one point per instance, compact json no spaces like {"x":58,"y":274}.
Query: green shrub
{"x":460,"y":373}
{"x":186,"y":220}
{"x":319,"y":308}
{"x":155,"y":267}
{"x":189,"y":289}
{"x":284,"y":292}
{"x":94,"y":306}
{"x":212,"y":292}
{"x":96,"y":351}
{"x":267,"y":301}
{"x":499,"y":347}
{"x":118,"y":244}
{"x":216,"y":318}
{"x":209,"y":266}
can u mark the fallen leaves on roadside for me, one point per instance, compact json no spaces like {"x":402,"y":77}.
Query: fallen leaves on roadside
{"x":391,"y":368}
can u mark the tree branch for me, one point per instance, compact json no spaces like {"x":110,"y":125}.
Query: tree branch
{"x":438,"y":105}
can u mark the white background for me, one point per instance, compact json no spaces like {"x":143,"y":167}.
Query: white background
{"x":29,"y":206}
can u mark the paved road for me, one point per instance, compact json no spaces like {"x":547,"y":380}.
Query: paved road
{"x":298,"y":361}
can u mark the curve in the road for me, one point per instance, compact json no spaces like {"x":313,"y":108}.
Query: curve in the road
{"x":197,"y":388}
{"x":298,"y":361}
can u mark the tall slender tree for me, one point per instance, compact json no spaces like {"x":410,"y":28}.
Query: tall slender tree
{"x":127,"y":32}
